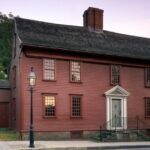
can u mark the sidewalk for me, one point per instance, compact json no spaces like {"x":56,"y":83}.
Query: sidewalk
{"x":69,"y":145}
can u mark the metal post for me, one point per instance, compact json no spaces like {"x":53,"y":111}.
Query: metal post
{"x":137,"y":121}
{"x":115,"y":122}
{"x":31,"y":119}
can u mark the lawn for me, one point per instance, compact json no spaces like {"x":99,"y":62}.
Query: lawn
{"x":8,"y":135}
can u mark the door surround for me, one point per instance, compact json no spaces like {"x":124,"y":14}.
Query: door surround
{"x":116,"y":92}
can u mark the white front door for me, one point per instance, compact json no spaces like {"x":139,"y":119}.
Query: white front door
{"x":116,"y":113}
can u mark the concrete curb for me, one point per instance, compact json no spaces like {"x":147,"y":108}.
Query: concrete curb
{"x":90,"y":148}
{"x":71,"y":145}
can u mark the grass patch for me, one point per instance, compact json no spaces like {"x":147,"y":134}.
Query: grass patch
{"x":8,"y":135}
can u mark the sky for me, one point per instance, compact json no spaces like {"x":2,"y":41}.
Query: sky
{"x":123,"y":16}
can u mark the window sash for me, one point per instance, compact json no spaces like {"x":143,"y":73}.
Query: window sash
{"x":75,"y":71}
{"x":48,"y":69}
{"x":49,"y":105}
{"x":147,"y":106}
{"x":115,"y":74}
{"x":76,"y":106}
{"x":147,"y":77}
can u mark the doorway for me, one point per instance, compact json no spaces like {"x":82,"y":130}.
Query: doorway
{"x":116,"y":108}
{"x":116,"y":113}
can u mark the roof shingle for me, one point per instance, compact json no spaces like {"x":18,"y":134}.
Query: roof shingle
{"x":75,"y":38}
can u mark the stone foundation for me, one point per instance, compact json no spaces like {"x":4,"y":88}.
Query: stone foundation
{"x":48,"y":136}
{"x":59,"y":135}
{"x":89,"y":134}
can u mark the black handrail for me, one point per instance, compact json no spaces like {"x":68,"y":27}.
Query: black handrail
{"x":126,"y":122}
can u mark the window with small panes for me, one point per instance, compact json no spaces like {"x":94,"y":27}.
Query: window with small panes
{"x":49,"y":105}
{"x":115,"y":74}
{"x":76,"y":106}
{"x":49,"y":69}
{"x":147,"y":106}
{"x":147,"y":77}
{"x":75,"y":71}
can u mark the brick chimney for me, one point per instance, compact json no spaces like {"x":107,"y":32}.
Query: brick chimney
{"x":93,"y":19}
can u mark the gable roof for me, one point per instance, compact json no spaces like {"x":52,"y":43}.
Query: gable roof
{"x":80,"y":39}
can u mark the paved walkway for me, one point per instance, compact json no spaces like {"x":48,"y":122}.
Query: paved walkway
{"x":69,"y":145}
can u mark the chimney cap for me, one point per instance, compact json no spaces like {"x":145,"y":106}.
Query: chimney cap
{"x":94,"y":8}
{"x":93,"y":19}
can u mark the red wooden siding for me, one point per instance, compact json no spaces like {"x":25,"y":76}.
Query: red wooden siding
{"x":4,"y":115}
{"x":95,"y":82}
{"x":4,"y":108}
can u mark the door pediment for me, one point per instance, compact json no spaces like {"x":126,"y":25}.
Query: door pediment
{"x":117,"y":91}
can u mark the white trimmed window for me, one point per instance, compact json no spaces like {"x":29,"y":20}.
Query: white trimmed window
{"x":49,"y":105}
{"x":48,"y":69}
{"x":76,"y":106}
{"x":115,"y":74}
{"x":75,"y":71}
{"x":147,"y":77}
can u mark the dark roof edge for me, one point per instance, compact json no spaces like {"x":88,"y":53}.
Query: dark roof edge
{"x":61,"y":49}
{"x":50,"y":23}
{"x":80,"y":51}
{"x":5,"y":88}
{"x":4,"y":84}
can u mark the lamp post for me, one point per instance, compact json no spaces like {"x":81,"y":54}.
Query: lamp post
{"x":32,"y":80}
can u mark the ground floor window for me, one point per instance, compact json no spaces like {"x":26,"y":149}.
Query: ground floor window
{"x":147,"y":106}
{"x":76,"y":106}
{"x":49,"y":105}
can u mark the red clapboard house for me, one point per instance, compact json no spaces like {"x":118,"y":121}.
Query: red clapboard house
{"x":5,"y":96}
{"x":87,"y":78}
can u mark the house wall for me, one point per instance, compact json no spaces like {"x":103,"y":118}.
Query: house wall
{"x":62,"y":87}
{"x":5,"y":95}
{"x":95,"y":77}
{"x":15,"y":101}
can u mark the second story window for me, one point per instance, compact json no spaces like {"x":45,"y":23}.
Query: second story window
{"x":75,"y":71}
{"x":115,"y":74}
{"x":49,"y":105}
{"x":49,"y":69}
{"x":147,"y":77}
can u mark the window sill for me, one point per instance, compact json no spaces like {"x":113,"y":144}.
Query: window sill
{"x":147,"y":116}
{"x":112,"y":84}
{"x":49,"y":117}
{"x":147,"y":86}
{"x":48,"y":80}
{"x":76,"y":117}
{"x":78,"y":82}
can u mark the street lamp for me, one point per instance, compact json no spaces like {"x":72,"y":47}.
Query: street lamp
{"x":32,"y":80}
